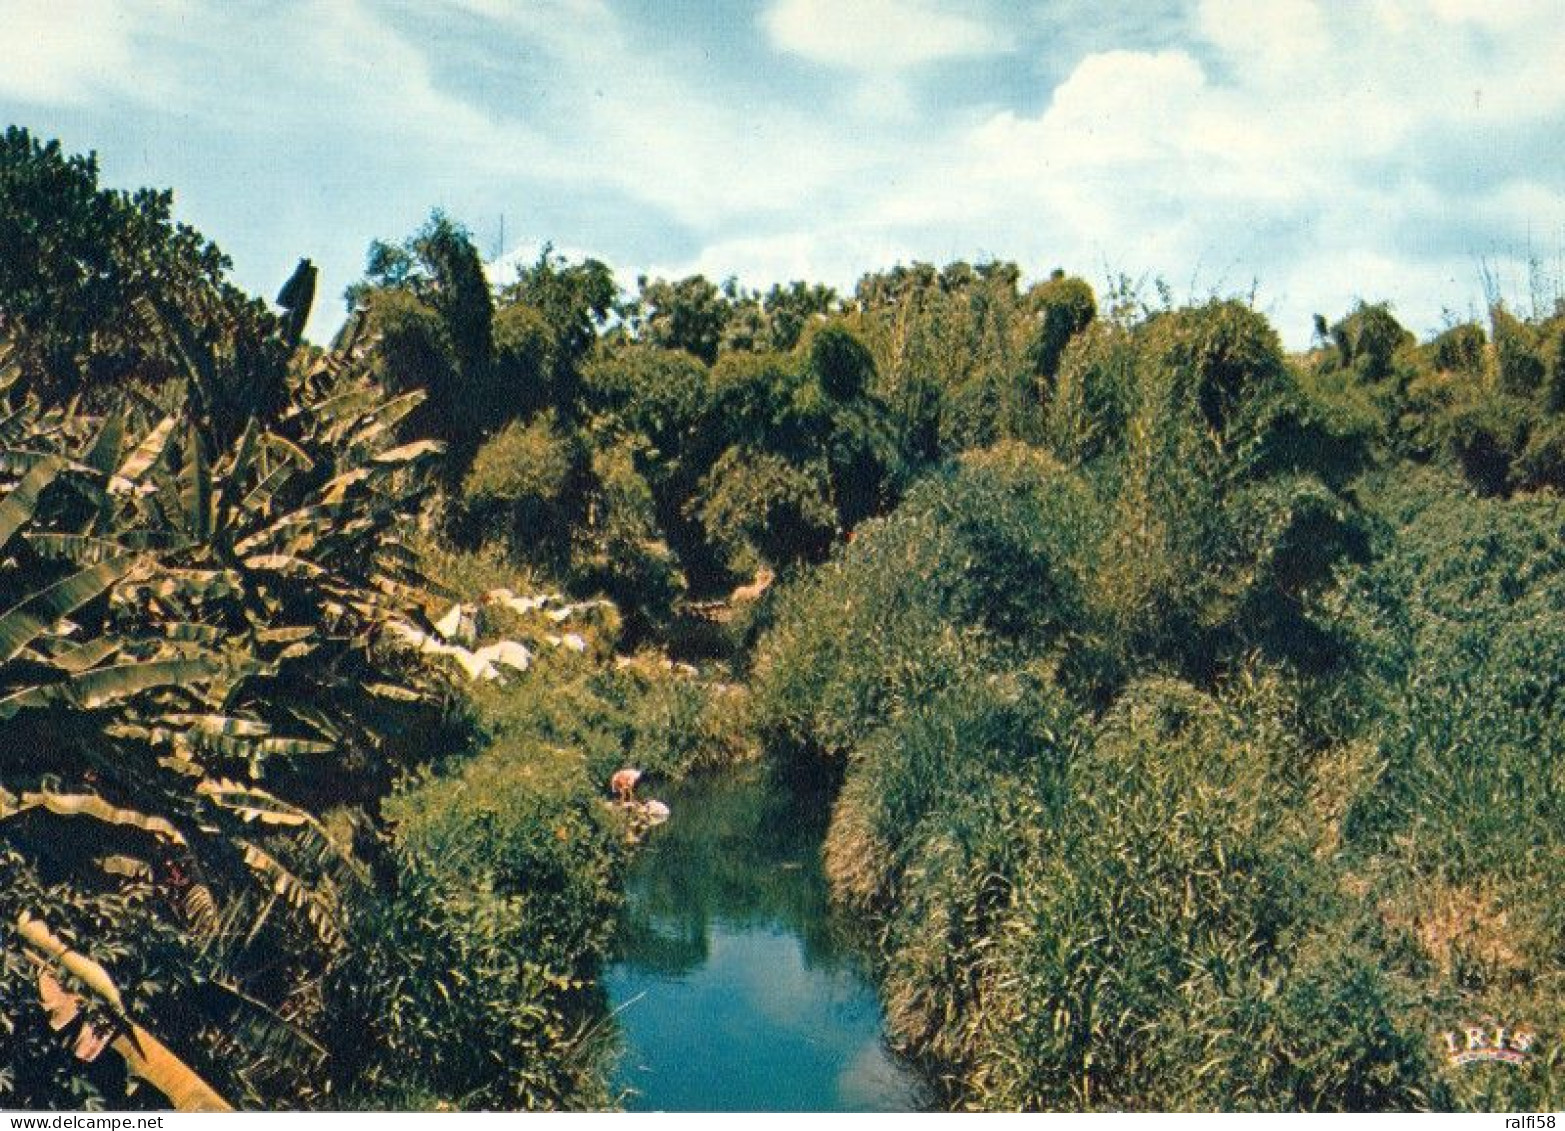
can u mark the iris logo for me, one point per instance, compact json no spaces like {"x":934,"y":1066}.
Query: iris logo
{"x":1473,"y":1043}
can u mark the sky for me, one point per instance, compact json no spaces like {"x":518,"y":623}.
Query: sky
{"x":1309,"y":154}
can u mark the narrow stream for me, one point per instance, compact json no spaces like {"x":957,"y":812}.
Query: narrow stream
{"x":735,"y":989}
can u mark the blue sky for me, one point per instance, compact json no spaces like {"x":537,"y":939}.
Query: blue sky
{"x":1317,"y":153}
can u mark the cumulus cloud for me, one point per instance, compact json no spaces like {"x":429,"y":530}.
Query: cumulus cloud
{"x":1330,"y":151}
{"x":877,"y":35}
{"x":1319,"y":153}
{"x":1288,"y":144}
{"x":74,"y":49}
{"x":637,"y":122}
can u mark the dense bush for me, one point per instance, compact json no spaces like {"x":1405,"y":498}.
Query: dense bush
{"x":978,"y":560}
{"x":1193,"y":707}
{"x":1159,"y":923}
{"x":469,"y":982}
{"x":209,"y":701}
{"x":200,"y":717}
{"x":1268,"y":883}
{"x":78,"y":264}
{"x":527,"y":490}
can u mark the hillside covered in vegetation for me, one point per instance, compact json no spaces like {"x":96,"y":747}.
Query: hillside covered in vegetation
{"x":1190,"y":707}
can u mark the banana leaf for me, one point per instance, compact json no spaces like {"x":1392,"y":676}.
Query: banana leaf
{"x":25,"y":621}
{"x":18,"y":506}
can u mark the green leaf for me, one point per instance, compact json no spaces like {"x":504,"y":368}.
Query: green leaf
{"x":81,"y":549}
{"x":258,"y":749}
{"x":18,"y":506}
{"x":88,"y":655}
{"x":23,"y":622}
{"x":104,"y":451}
{"x":19,"y":461}
{"x":238,"y":467}
{"x":261,"y":494}
{"x":220,"y":724}
{"x":285,"y":564}
{"x":102,"y":686}
{"x":195,"y":487}
{"x":409,"y":453}
{"x":145,"y":454}
{"x":382,"y":420}
{"x":256,"y":805}
{"x":91,"y":805}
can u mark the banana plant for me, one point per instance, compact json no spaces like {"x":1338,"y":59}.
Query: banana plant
{"x":192,"y":672}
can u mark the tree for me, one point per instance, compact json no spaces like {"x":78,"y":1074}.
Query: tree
{"x":82,"y":268}
{"x":687,"y":315}
{"x":1065,"y":308}
{"x":574,"y":300}
{"x":1368,"y":339}
{"x":430,"y":302}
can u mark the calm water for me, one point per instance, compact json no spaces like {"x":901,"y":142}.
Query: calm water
{"x":735,"y":988}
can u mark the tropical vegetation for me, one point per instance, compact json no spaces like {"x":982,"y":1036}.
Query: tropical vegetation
{"x":1188,"y":706}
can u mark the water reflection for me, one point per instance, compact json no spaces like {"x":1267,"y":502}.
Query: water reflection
{"x":737,"y":989}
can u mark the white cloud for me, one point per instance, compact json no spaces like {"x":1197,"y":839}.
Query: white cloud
{"x":1297,"y":157}
{"x":876,"y":35}
{"x":1331,"y":150}
{"x":64,"y":51}
{"x":637,"y":123}
{"x":1296,"y":147}
{"x":1268,"y":43}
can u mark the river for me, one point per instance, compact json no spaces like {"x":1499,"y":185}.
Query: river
{"x":735,"y":987}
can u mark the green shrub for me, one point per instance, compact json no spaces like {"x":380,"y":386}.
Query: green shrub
{"x":1066,"y":306}
{"x":526,"y":488}
{"x":979,"y":738}
{"x":1461,"y":349}
{"x":1368,"y":341}
{"x":978,"y":559}
{"x":1519,"y":368}
{"x":1459,"y":634}
{"x":660,"y":395}
{"x":841,"y":364}
{"x":468,"y":981}
{"x":523,"y":462}
{"x":1093,"y":395}
{"x":524,"y":361}
{"x":619,"y":550}
{"x":1221,"y":356}
{"x":676,"y":721}
{"x":761,"y":510}
{"x":1159,"y":916}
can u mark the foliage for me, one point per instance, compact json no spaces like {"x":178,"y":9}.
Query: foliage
{"x":688,"y":315}
{"x":430,"y":302}
{"x":192,"y":677}
{"x":526,"y":488}
{"x":1368,"y":341}
{"x":202,"y":709}
{"x":1157,"y":930}
{"x":1066,"y":307}
{"x":1262,"y":885}
{"x":950,"y":347}
{"x":77,"y":265}
{"x":619,"y":550}
{"x":470,"y":983}
{"x":1192,"y":706}
{"x":758,"y":508}
{"x":573,"y":300}
{"x":976,"y":559}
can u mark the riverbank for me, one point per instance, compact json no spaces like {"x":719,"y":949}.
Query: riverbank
{"x":475,"y":979}
{"x":735,"y":986}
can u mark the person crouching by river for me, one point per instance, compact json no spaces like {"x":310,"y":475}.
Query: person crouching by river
{"x":623,"y":784}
